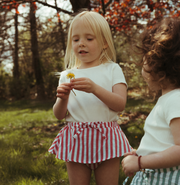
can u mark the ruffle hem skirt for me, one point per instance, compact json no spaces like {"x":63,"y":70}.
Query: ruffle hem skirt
{"x":90,"y":142}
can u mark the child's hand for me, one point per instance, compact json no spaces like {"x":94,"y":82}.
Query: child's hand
{"x":63,"y":90}
{"x":133,"y":152}
{"x":130,"y":165}
{"x":83,"y":84}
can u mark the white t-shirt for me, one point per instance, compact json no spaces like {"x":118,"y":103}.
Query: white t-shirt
{"x":158,"y":136}
{"x":86,"y":107}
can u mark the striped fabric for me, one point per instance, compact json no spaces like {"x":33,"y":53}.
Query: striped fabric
{"x":90,"y":142}
{"x":167,"y":176}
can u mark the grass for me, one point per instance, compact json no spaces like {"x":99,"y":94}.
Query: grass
{"x":27,"y":129}
{"x":24,"y":144}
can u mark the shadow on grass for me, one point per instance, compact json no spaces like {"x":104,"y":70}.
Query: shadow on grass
{"x":24,"y":104}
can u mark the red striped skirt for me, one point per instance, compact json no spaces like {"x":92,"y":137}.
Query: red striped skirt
{"x":90,"y":142}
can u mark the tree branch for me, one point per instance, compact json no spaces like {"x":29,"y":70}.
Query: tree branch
{"x":107,"y":4}
{"x":54,"y":7}
{"x":8,"y":3}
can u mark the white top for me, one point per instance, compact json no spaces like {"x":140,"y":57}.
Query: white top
{"x":86,"y":107}
{"x":158,"y":136}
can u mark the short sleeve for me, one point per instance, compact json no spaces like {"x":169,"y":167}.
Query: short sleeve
{"x":172,"y":108}
{"x":118,"y":76}
{"x":62,"y":77}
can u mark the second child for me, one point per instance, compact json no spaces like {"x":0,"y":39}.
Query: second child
{"x":157,"y":159}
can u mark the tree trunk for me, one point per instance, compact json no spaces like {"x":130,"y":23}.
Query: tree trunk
{"x":35,"y":54}
{"x":103,"y":7}
{"x":61,"y":31}
{"x":16,"y":58}
{"x":62,"y":36}
{"x":77,"y":5}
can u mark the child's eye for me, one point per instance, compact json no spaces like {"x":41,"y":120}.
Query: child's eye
{"x":75,"y":40}
{"x":89,"y":39}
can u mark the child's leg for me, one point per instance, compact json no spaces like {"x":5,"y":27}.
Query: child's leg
{"x":79,"y":174}
{"x":107,"y":173}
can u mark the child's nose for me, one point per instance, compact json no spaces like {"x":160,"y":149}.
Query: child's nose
{"x":81,"y":43}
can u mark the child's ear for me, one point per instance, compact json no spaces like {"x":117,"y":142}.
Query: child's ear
{"x":105,"y":46}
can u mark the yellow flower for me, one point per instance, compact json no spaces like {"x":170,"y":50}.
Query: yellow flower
{"x":70,"y":75}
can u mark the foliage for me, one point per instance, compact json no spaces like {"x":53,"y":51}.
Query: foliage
{"x":129,"y":59}
{"x":123,"y":15}
{"x":3,"y":85}
{"x":126,"y":19}
{"x":51,"y":62}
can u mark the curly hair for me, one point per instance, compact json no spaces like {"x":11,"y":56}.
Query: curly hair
{"x":161,"y":49}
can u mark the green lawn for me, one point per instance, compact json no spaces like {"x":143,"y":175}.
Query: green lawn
{"x":27,"y":129}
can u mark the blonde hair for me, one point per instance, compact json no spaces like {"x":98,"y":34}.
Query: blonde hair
{"x":101,"y":29}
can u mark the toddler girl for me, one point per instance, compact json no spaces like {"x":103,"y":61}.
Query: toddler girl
{"x":90,"y":102}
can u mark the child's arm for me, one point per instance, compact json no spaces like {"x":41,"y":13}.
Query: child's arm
{"x":115,"y":100}
{"x":165,"y":159}
{"x":60,"y":106}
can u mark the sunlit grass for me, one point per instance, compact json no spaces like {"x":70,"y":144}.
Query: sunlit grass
{"x":23,"y":151}
{"x":24,"y":156}
{"x":25,"y":114}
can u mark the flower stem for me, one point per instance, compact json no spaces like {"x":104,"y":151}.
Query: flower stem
{"x":74,"y":92}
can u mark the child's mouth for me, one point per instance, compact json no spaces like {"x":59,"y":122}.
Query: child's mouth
{"x":83,"y":52}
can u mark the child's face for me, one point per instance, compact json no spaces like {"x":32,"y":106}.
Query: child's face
{"x":152,"y":81}
{"x":85,"y":45}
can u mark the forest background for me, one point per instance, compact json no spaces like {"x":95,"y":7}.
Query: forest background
{"x":35,"y":49}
